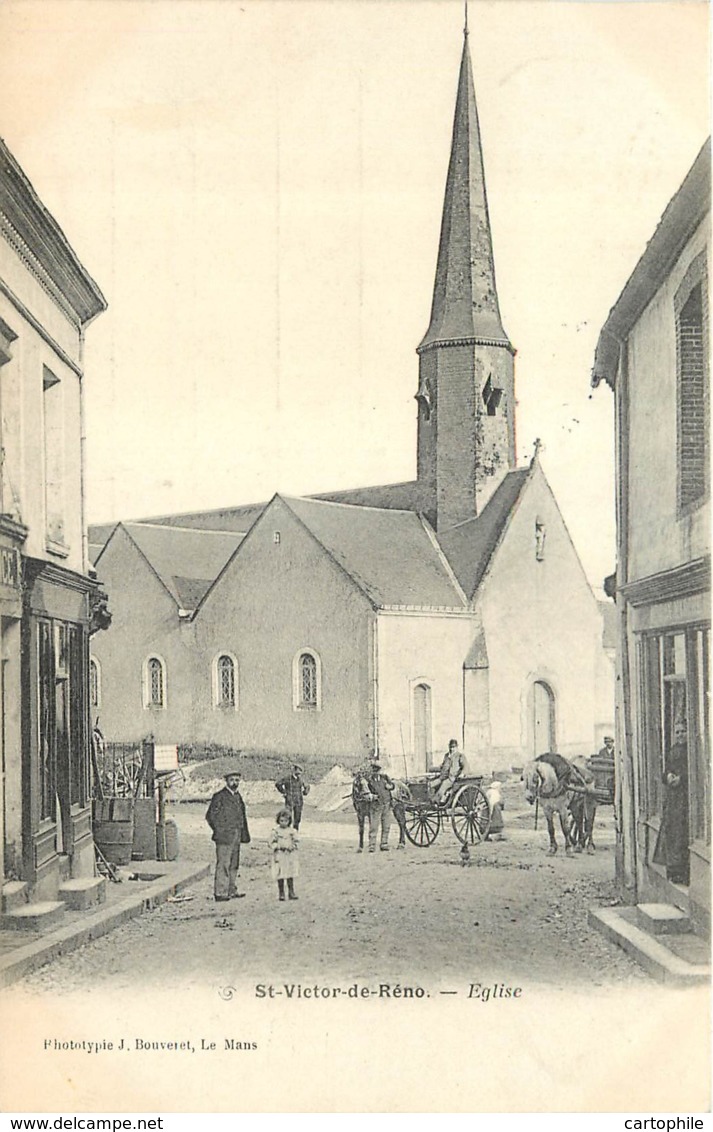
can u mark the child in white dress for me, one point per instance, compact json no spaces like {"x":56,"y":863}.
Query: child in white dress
{"x":284,"y":863}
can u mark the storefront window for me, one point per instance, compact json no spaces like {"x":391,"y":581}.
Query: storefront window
{"x":675,"y":690}
{"x":62,"y":717}
{"x":77,"y":716}
{"x":48,"y":776}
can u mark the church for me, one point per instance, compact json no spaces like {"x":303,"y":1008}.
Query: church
{"x":384,"y":619}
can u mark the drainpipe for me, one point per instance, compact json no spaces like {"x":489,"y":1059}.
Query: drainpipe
{"x":627,"y":800}
{"x":82,"y":458}
{"x":83,"y":444}
{"x":375,"y":677}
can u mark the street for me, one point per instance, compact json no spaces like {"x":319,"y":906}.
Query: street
{"x":512,"y":916}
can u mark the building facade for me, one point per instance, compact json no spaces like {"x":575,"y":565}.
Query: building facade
{"x":653,"y":351}
{"x":47,"y":595}
{"x":384,"y":619}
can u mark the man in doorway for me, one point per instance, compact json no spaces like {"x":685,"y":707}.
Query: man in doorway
{"x":451,"y":768}
{"x":227,"y":818}
{"x":672,"y":842}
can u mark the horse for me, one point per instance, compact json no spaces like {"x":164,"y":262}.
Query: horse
{"x":362,"y":798}
{"x":553,"y":792}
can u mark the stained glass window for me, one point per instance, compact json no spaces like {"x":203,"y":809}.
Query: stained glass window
{"x":226,"y":681}
{"x":308,"y":680}
{"x":155,"y":682}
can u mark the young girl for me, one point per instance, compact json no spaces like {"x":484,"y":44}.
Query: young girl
{"x":285,"y":862}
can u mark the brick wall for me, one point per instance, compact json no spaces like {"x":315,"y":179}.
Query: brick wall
{"x":692,"y":399}
{"x":463,"y":449}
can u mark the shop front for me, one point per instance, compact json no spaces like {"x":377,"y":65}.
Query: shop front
{"x":672,"y":648}
{"x":56,"y":820}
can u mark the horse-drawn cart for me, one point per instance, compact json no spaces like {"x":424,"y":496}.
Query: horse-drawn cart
{"x":466,"y":805}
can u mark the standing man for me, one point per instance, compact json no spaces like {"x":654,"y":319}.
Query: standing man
{"x":293,"y":790}
{"x":379,"y":812}
{"x":227,"y":818}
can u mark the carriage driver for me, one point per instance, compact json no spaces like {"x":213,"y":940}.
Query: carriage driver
{"x":451,"y":768}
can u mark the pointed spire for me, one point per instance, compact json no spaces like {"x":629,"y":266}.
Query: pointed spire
{"x":465,"y":301}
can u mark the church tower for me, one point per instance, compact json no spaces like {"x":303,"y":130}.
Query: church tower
{"x":466,"y":393}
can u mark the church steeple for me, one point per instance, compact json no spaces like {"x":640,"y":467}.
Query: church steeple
{"x":465,"y":299}
{"x":466,"y":393}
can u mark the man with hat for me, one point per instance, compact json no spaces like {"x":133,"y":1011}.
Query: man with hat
{"x":293,"y":790}
{"x":379,"y":811}
{"x":451,"y":768}
{"x":227,"y":818}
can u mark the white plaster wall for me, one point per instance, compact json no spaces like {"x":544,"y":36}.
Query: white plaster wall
{"x":420,"y":648}
{"x":21,"y":409}
{"x":541,"y":623}
{"x":658,"y":538}
{"x":144,"y":623}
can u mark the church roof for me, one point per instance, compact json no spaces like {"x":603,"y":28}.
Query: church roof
{"x":470,"y":546}
{"x":186,"y":561}
{"x":465,"y":299}
{"x":393,"y":556}
{"x":406,"y":496}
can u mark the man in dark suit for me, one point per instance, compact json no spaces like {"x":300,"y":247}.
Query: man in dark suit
{"x":293,"y":790}
{"x":227,"y":818}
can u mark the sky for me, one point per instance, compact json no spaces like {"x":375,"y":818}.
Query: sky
{"x":256,"y":185}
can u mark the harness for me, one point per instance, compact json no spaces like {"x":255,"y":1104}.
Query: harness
{"x":565,"y":785}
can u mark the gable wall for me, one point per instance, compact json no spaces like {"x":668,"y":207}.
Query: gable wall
{"x":144,"y":622}
{"x":542,"y":623}
{"x":272,"y":601}
{"x":420,"y":648}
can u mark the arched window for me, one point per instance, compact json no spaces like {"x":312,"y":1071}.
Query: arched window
{"x":307,"y":681}
{"x":154,"y":683}
{"x":225,"y":684}
{"x":95,"y":689}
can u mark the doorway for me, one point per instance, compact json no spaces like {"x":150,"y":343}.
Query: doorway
{"x":543,"y":721}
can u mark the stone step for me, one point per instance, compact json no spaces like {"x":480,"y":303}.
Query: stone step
{"x":83,"y":892}
{"x":662,"y":919}
{"x":34,"y":917}
{"x":620,"y":925}
{"x":14,"y":895}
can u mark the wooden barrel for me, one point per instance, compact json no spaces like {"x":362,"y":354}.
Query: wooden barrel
{"x":113,"y":829}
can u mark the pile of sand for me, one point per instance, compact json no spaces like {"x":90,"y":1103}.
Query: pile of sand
{"x":333,"y":792}
{"x":329,"y":794}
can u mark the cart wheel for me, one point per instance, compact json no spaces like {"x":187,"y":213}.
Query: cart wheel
{"x":125,"y":775}
{"x":470,"y":815}
{"x":422,"y":824}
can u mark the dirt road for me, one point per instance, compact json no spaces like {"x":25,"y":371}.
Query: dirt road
{"x":514,"y":915}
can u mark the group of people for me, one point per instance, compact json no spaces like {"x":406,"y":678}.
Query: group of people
{"x":227,"y":818}
{"x":376,"y":796}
